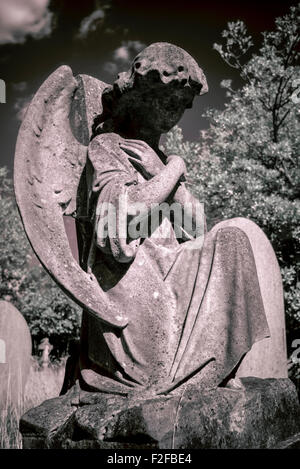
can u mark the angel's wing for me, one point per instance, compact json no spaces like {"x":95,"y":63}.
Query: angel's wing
{"x":49,"y":162}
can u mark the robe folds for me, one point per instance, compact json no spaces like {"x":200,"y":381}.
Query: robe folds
{"x":193,"y":309}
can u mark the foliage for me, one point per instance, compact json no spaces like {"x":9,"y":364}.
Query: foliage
{"x":24,"y":282}
{"x":247,"y":162}
{"x":14,"y":248}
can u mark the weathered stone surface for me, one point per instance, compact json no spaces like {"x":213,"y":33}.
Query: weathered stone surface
{"x":196,"y":296}
{"x":263,"y":413}
{"x":44,"y":424}
{"x":49,"y":162}
{"x":15,"y":354}
{"x":86,"y":105}
{"x":164,"y":307}
{"x":268,"y":357}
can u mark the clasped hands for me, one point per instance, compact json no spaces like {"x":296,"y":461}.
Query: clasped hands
{"x":146,"y":160}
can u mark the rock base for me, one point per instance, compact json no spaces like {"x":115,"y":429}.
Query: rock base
{"x":263,"y":413}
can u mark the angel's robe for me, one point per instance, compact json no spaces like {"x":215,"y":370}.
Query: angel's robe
{"x":193,"y":310}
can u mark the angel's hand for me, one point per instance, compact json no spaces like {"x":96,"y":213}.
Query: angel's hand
{"x":143,"y":157}
{"x":179,"y":162}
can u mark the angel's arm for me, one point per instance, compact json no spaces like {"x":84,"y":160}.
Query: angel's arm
{"x":173,"y":190}
{"x":113,"y":183}
{"x":162,"y":179}
{"x":193,"y":211}
{"x":166,"y":186}
{"x":158,"y":189}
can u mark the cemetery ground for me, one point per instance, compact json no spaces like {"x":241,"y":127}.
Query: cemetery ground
{"x":43,"y":383}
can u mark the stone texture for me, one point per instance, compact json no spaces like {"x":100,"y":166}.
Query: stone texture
{"x":160,"y":310}
{"x":263,"y":413}
{"x":166,"y":63}
{"x":161,"y":283}
{"x":268,"y":357}
{"x":15,"y":354}
{"x":49,"y":162}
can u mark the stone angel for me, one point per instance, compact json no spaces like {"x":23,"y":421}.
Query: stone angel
{"x":162,"y":306}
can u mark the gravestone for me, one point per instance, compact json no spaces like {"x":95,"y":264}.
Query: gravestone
{"x":268,"y":357}
{"x":46,"y":348}
{"x":15,"y":354}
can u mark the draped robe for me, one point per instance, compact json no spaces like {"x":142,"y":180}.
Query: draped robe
{"x":194,"y":309}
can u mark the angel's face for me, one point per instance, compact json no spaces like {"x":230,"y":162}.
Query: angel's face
{"x":155,"y":109}
{"x":168,"y":108}
{"x":162,"y":110}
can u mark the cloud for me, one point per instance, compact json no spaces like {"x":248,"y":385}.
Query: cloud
{"x":123,"y":56}
{"x":19,"y":18}
{"x":21,"y":105}
{"x":111,"y":68}
{"x":91,"y":23}
{"x":128,"y":50}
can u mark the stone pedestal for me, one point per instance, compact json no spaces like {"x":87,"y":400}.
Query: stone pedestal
{"x":262,"y":413}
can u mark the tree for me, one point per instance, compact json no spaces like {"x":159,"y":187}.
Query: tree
{"x":14,"y":248}
{"x":24,"y":282}
{"x":247,"y":162}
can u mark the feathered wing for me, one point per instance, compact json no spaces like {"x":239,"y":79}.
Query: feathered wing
{"x":49,"y":162}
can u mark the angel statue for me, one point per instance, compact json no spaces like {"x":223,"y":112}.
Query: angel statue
{"x":165,"y":302}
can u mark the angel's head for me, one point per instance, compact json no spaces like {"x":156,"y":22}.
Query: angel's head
{"x":161,"y":83}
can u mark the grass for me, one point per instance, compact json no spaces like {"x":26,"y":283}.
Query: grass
{"x":41,"y":384}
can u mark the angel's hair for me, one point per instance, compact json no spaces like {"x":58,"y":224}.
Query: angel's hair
{"x":161,"y":65}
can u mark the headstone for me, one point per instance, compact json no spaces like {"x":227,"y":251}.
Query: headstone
{"x":15,"y":354}
{"x":46,"y":348}
{"x":268,"y":357}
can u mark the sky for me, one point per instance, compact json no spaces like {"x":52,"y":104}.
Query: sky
{"x":100,"y":38}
